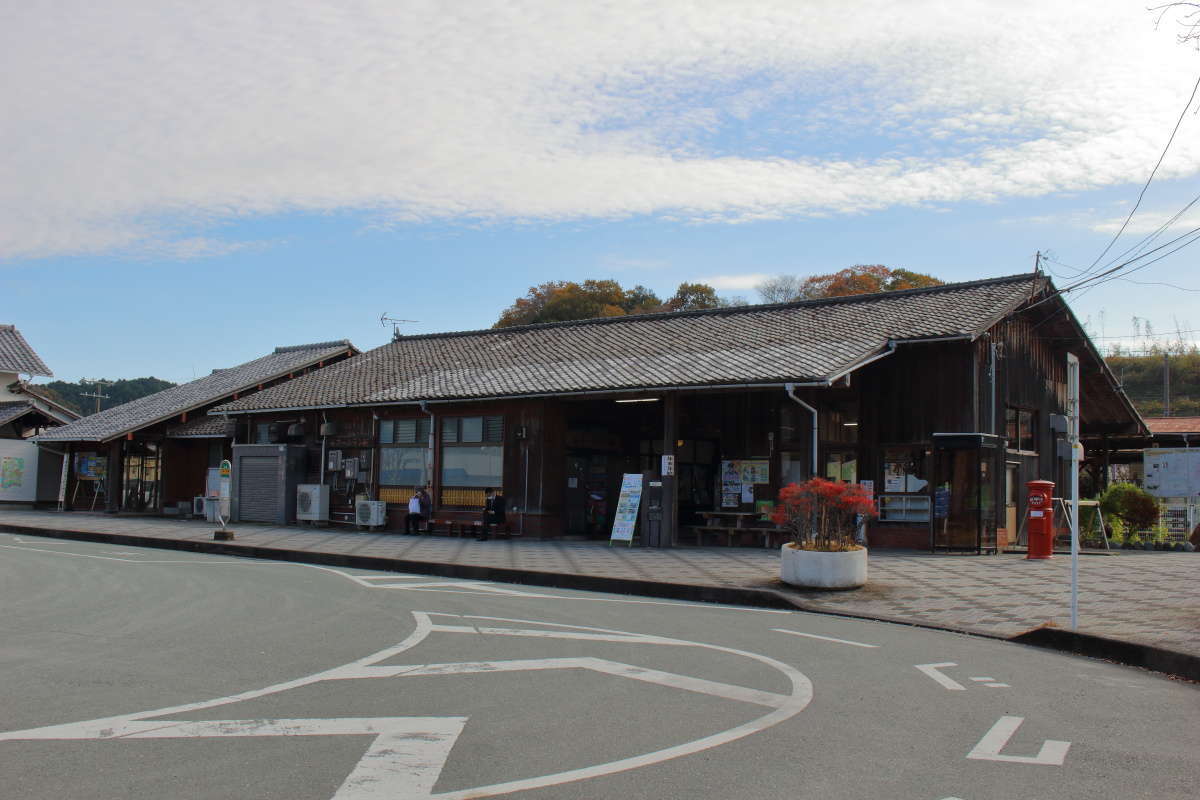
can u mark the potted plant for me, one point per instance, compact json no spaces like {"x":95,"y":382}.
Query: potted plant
{"x":821,"y":517}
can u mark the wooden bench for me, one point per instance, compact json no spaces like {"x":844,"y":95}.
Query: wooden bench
{"x":733,"y":533}
{"x":459,"y":527}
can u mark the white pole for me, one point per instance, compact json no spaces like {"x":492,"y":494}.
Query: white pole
{"x":1073,"y":440}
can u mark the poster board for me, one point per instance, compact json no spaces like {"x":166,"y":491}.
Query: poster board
{"x":628,"y":503}
{"x":90,"y":467}
{"x":739,"y":477}
{"x":18,"y":471}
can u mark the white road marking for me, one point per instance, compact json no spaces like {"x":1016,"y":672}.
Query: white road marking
{"x":397,"y":767}
{"x":404,"y":759}
{"x":824,"y":638}
{"x":932,"y":670}
{"x":992,"y":683}
{"x":1053,"y":752}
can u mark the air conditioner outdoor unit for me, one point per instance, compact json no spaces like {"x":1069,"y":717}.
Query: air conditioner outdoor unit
{"x":370,"y":512}
{"x":198,"y":506}
{"x":312,"y":502}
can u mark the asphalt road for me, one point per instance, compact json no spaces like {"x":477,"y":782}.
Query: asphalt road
{"x":128,"y":673}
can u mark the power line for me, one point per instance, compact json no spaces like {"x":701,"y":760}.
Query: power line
{"x":1146,"y":186}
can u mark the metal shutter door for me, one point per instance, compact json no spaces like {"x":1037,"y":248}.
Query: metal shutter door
{"x":258,"y":489}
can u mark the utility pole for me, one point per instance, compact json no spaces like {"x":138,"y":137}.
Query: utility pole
{"x":1074,"y":392}
{"x":1166,"y":385}
{"x":100,"y":384}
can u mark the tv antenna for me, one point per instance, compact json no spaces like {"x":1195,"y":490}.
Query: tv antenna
{"x":395,"y":322}
{"x":98,"y":393}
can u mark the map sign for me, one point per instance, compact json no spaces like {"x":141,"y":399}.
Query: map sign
{"x":625,"y":519}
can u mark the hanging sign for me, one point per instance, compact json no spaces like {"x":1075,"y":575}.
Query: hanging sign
{"x":625,"y":518}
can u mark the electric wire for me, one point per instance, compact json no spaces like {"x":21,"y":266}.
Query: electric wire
{"x":1146,"y":186}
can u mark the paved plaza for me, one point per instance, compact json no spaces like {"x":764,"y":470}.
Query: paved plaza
{"x":1150,"y":598}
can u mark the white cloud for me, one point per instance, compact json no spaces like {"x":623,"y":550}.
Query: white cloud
{"x":731,"y":282}
{"x":127,"y":123}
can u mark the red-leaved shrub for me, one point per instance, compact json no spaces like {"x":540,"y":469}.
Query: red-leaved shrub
{"x":821,"y":514}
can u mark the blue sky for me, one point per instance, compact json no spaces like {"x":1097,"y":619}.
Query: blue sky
{"x":187,"y":186}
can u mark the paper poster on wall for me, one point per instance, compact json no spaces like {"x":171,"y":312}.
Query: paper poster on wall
{"x":628,"y":503}
{"x":893,"y":476}
{"x":756,"y":471}
{"x":731,"y":495}
{"x":746,"y":471}
{"x":747,"y":492}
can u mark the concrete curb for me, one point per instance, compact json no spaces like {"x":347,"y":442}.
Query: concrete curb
{"x":1170,"y":662}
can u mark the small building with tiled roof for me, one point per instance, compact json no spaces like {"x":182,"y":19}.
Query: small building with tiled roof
{"x":154,"y":452}
{"x":27,"y":474}
{"x":1174,"y":431}
{"x":900,"y":389}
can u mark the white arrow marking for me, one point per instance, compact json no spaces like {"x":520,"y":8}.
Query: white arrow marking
{"x":824,"y":638}
{"x":932,"y":670}
{"x":391,"y":767}
{"x":1053,"y":751}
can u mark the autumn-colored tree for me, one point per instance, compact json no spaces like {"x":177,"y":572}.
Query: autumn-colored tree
{"x":859,"y":279}
{"x":693,"y":297}
{"x":559,"y":301}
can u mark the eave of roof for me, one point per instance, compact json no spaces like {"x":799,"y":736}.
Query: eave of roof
{"x":327,"y":350}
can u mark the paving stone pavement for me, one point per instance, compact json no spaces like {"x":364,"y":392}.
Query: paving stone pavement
{"x":1149,"y":598}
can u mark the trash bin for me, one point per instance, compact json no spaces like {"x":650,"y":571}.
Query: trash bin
{"x":1040,"y":522}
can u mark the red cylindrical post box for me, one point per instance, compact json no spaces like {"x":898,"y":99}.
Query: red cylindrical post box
{"x":1040,"y":523}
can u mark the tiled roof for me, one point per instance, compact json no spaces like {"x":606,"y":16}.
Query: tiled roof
{"x":14,"y":410}
{"x":807,"y":341}
{"x":222,"y":383}
{"x":17,"y":356}
{"x":1173,"y":424}
{"x":203,"y":426}
{"x":57,"y":408}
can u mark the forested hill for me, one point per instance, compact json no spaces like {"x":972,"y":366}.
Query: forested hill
{"x":1142,"y":377}
{"x":122,"y":391}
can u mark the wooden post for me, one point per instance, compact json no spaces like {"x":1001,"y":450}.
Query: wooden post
{"x":670,"y":520}
{"x":114,"y":482}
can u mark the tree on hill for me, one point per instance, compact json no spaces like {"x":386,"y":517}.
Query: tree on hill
{"x":1143,"y":378}
{"x":560,"y":301}
{"x":859,"y":279}
{"x":120,"y":391}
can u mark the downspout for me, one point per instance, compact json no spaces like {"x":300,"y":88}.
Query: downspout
{"x":790,"y":388}
{"x":324,"y":460}
{"x":429,"y":445}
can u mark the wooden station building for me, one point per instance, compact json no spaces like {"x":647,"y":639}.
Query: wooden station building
{"x":940,"y":398}
{"x":155,"y":452}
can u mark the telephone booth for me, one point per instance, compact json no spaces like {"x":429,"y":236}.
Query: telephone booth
{"x":967,"y":469}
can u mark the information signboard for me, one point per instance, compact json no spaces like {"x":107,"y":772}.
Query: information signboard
{"x":1172,"y":472}
{"x":625,"y":518}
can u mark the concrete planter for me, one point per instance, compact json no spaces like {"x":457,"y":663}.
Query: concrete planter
{"x":821,"y":570}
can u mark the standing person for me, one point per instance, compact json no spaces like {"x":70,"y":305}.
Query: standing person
{"x":426,"y":505}
{"x":412,"y":523}
{"x":493,"y":512}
